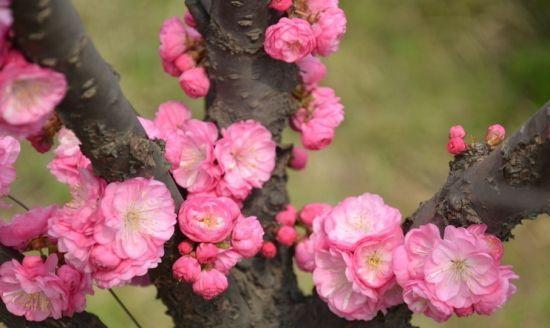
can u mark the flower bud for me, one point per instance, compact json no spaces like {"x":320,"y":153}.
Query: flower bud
{"x":495,"y":134}
{"x":287,"y":217}
{"x":185,"y":247}
{"x":269,"y":250}
{"x":286,"y":235}
{"x":298,"y":160}
{"x":456,"y":146}
{"x":457,"y":131}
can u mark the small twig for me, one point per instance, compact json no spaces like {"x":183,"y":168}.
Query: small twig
{"x":18,"y":202}
{"x":125,"y":308}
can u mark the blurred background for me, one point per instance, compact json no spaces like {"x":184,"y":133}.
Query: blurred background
{"x":406,"y":72}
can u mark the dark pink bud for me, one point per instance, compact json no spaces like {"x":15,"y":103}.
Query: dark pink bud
{"x":207,"y":253}
{"x":457,"y":131}
{"x":298,"y":160}
{"x":185,"y":247}
{"x":287,"y":217}
{"x":456,"y":146}
{"x":269,"y":250}
{"x":495,"y":134}
{"x":286,"y":235}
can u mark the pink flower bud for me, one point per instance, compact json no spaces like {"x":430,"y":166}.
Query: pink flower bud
{"x":312,"y":71}
{"x":189,"y":19}
{"x":280,"y":5}
{"x":269,"y":250}
{"x":311,"y":211}
{"x":195,"y":82}
{"x":287,"y":217}
{"x":210,"y":284}
{"x":185,"y":62}
{"x":289,"y":40}
{"x":457,"y":131}
{"x":186,"y":268}
{"x":286,"y":235}
{"x":298,"y":160}
{"x":495,"y":134}
{"x":305,"y":255}
{"x":185,"y":247}
{"x":456,"y":146}
{"x":206,"y":253}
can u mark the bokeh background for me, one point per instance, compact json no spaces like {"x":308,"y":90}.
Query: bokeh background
{"x":406,"y":72}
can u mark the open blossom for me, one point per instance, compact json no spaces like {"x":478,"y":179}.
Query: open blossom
{"x":68,"y":160}
{"x":170,"y":118}
{"x":246,"y":153}
{"x":78,"y":285}
{"x":29,"y":93}
{"x":208,"y":219}
{"x":210,"y":283}
{"x":289,"y":40}
{"x":194,"y":82}
{"x":312,"y":71}
{"x":357,"y":218}
{"x":9,"y":151}
{"x":319,"y":118}
{"x":73,"y":225}
{"x":329,"y":30}
{"x":32,"y":289}
{"x":247,"y":236}
{"x":24,"y":227}
{"x":139,"y":217}
{"x":186,"y":268}
{"x":459,"y":273}
{"x":191,"y":153}
{"x":287,"y":216}
{"x":495,"y":134}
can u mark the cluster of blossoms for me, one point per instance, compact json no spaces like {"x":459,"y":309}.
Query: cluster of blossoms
{"x":182,"y":53}
{"x":219,"y":236}
{"x":28,"y":93}
{"x":456,"y":144}
{"x":459,"y":273}
{"x":206,"y":165}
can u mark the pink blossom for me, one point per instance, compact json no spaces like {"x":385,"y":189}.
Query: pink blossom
{"x":25,"y":227}
{"x":185,"y":62}
{"x":9,"y":151}
{"x":30,"y":93}
{"x":191,"y":153}
{"x":457,"y":131}
{"x":316,"y":6}
{"x":170,"y":118}
{"x":247,"y":236}
{"x":150,"y":129}
{"x":73,"y":225}
{"x":304,"y":255}
{"x":185,"y":247}
{"x":194,"y":82}
{"x":421,"y":299}
{"x":210,"y":283}
{"x":357,"y":218}
{"x":208,"y":219}
{"x":456,"y":146}
{"x":333,"y":286}
{"x":68,"y":160}
{"x":493,"y":245}
{"x":246,"y":153}
{"x":319,"y":118}
{"x":310,"y":211}
{"x":189,"y":20}
{"x":206,"y":253}
{"x":488,"y":304}
{"x":289,"y":40}
{"x":78,"y":285}
{"x":186,"y":268}
{"x":286,"y":235}
{"x":32,"y":289}
{"x":139,"y":217}
{"x":287,"y":216}
{"x":269,"y":250}
{"x":495,"y":134}
{"x":172,"y":38}
{"x":280,"y":5}
{"x":372,"y":260}
{"x":298,"y":160}
{"x":312,"y":71}
{"x":226,"y":260}
{"x":329,"y":30}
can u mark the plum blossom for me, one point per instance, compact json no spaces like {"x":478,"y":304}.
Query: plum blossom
{"x":357,"y":218}
{"x":32,"y":289}
{"x":226,"y":260}
{"x":68,"y":160}
{"x":246,"y":153}
{"x":78,"y":285}
{"x":206,"y":253}
{"x":312,"y":71}
{"x":456,"y":146}
{"x":208,"y":219}
{"x":210,"y":283}
{"x":247,"y":236}
{"x":317,"y":6}
{"x":289,"y":40}
{"x":457,"y":131}
{"x":170,"y":118}
{"x":23,"y":228}
{"x":459,"y":273}
{"x":310,"y":211}
{"x":495,"y":134}
{"x":191,"y":153}
{"x":9,"y":151}
{"x":329,"y":30}
{"x":172,"y":38}
{"x":186,"y":268}
{"x":317,"y":120}
{"x":194,"y":82}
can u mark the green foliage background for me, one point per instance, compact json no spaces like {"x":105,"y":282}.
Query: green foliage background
{"x":407,"y":70}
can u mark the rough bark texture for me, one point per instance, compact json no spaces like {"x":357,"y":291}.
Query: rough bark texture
{"x":497,"y":187}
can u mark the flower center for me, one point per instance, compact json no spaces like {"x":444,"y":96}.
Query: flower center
{"x":33,"y":302}
{"x":374,"y":260}
{"x":459,"y":266}
{"x":210,"y":220}
{"x":132,"y":220}
{"x":25,"y":92}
